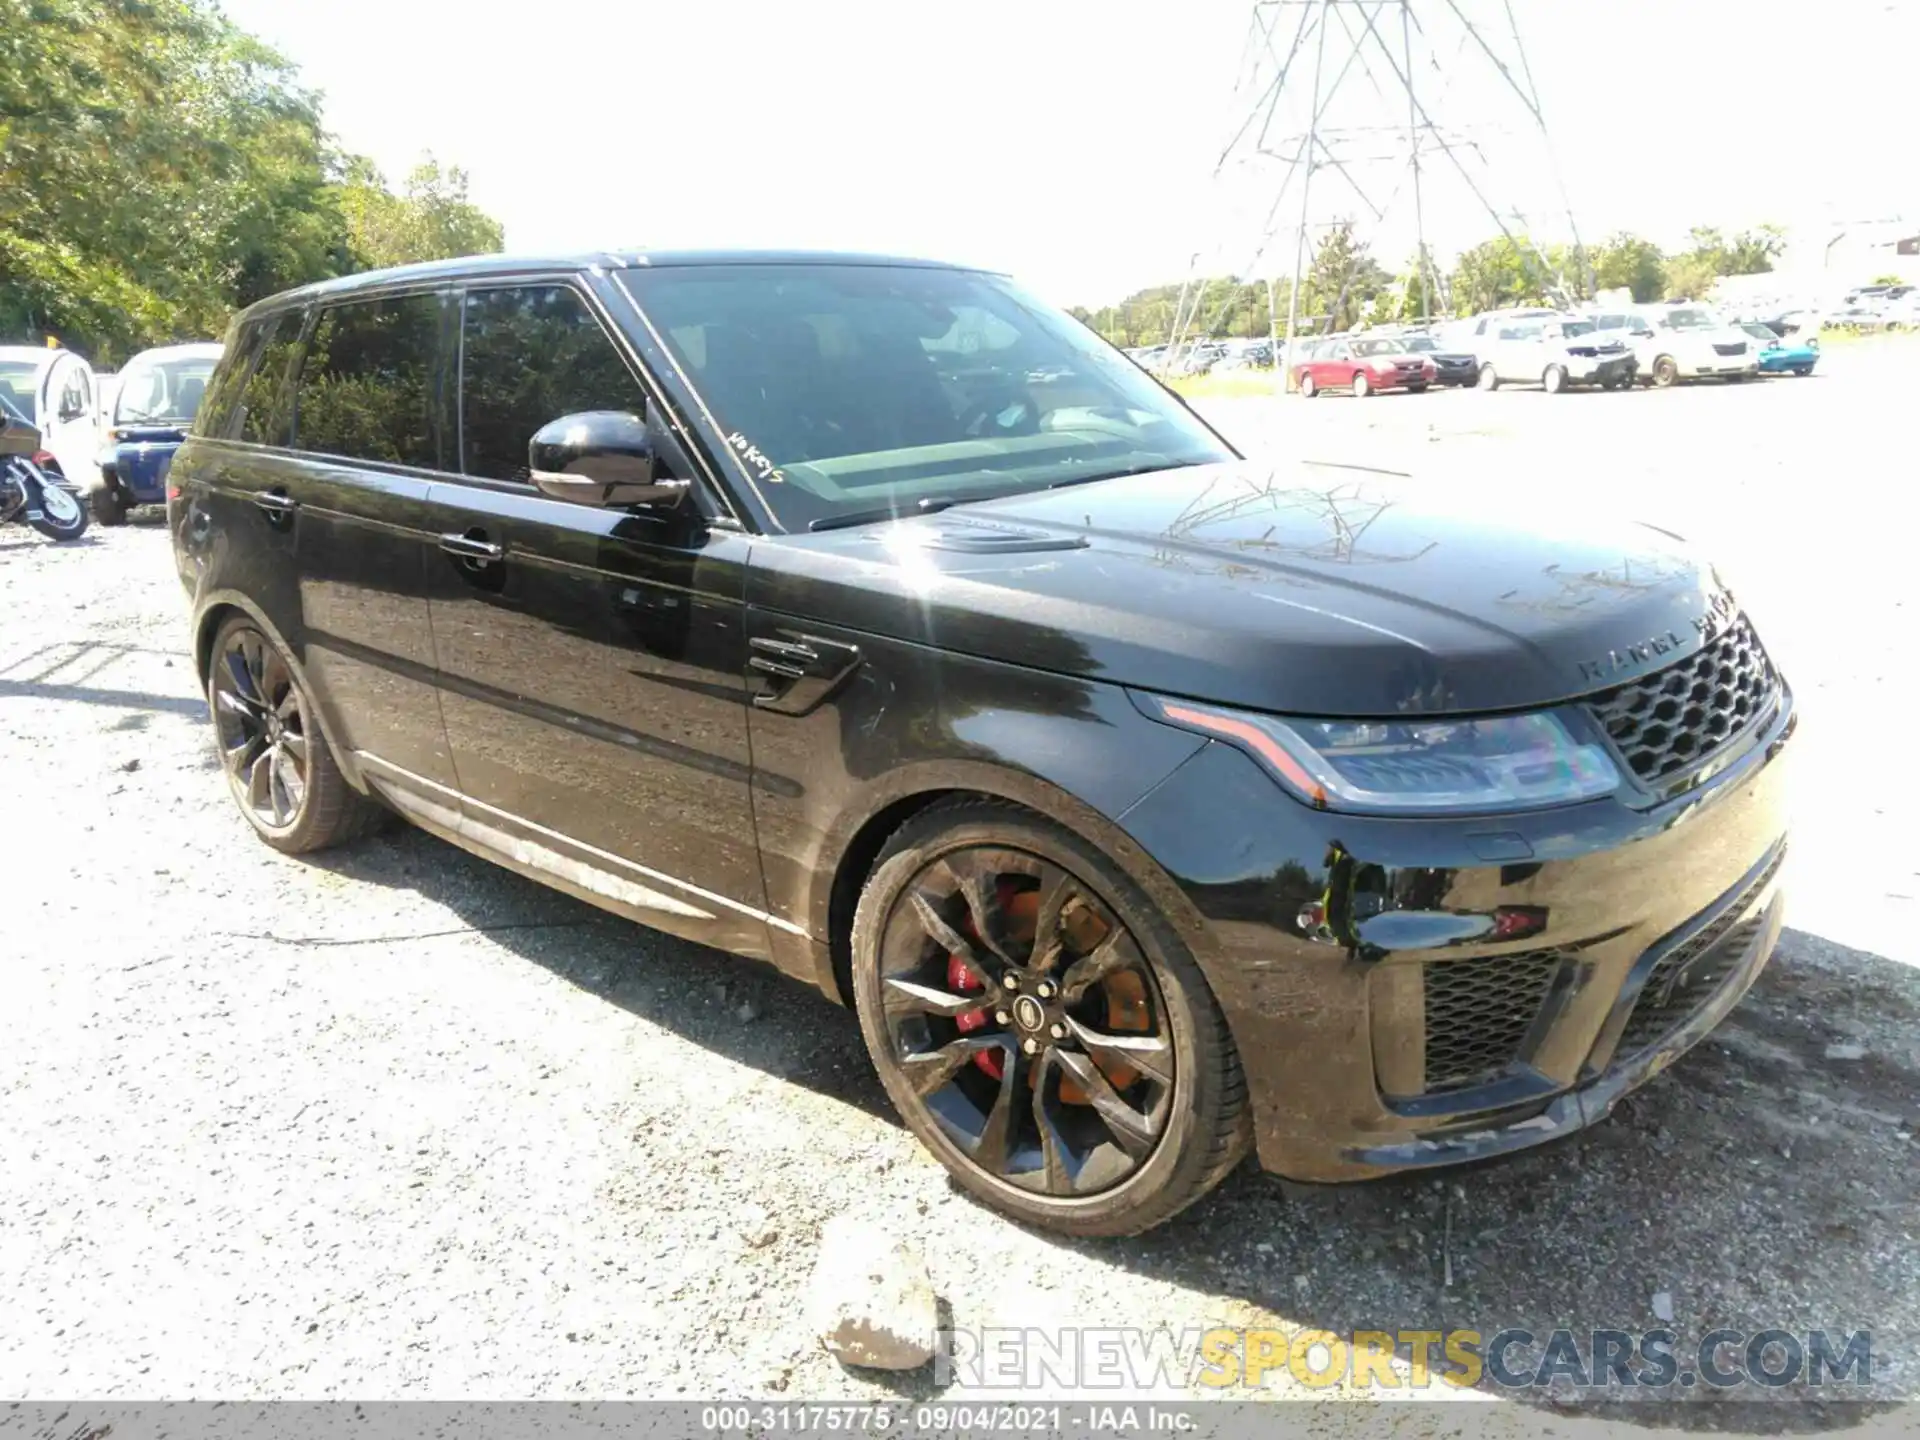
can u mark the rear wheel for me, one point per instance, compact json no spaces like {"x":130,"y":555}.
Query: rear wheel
{"x":1488,"y":379}
{"x":278,"y":764}
{"x":1040,"y":1027}
{"x":1554,"y":380}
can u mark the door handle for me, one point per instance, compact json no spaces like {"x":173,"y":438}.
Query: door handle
{"x":276,"y":502}
{"x":473,"y":546}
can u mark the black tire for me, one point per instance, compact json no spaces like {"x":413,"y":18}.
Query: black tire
{"x":1664,"y":373}
{"x":61,"y":516}
{"x":1487,"y":379}
{"x":327,"y":810}
{"x":1362,"y":386}
{"x":1205,"y":1124}
{"x":1417,"y":387}
{"x":109,"y":504}
{"x":1554,"y":379}
{"x":1803,"y":369}
{"x":1307,"y":388}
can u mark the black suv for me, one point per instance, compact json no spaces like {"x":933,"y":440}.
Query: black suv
{"x":876,"y":620}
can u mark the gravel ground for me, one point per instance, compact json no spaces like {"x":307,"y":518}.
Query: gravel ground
{"x":393,"y":1123}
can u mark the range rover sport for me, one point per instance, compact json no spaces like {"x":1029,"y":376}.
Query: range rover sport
{"x":1148,"y":805}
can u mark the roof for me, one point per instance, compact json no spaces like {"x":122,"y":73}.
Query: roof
{"x":193,"y":350}
{"x":470,"y":266}
{"x":38,"y":354}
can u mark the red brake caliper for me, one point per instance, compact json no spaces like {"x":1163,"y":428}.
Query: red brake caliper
{"x":961,"y":977}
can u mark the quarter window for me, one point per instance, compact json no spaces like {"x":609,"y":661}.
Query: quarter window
{"x":367,"y":384}
{"x":530,"y":355}
{"x":266,"y":416}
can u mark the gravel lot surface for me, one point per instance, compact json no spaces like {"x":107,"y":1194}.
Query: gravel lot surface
{"x":394,"y":1123}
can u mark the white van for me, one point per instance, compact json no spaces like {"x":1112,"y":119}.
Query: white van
{"x":1681,"y":342}
{"x":54,"y":388}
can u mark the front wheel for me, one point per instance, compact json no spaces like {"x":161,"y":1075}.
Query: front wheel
{"x":109,"y":504}
{"x":1554,"y":380}
{"x":1665,"y":371}
{"x":1488,"y":380}
{"x":1307,"y":389}
{"x":1803,"y":369}
{"x":60,"y":515}
{"x":1362,"y":387}
{"x":1416,"y":387}
{"x":1040,"y":1026}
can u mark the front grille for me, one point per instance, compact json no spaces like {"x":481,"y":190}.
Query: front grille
{"x":1478,"y":1012}
{"x":1691,"y":973}
{"x":1738,"y":347}
{"x":1678,"y":717}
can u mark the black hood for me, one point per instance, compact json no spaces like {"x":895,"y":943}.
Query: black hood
{"x":1305,"y":589}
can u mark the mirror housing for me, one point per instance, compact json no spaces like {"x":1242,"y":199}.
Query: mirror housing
{"x":603,"y":458}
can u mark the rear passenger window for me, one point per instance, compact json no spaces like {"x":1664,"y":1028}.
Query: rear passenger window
{"x":266,"y":409}
{"x":532,"y":354}
{"x":367,"y":384}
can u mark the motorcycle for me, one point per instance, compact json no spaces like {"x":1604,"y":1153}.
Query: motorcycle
{"x":25,"y":490}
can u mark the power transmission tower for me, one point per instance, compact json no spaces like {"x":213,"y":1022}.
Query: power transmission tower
{"x":1350,"y":108}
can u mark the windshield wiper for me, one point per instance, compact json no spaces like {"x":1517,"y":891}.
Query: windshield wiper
{"x":925,"y":506}
{"x":1148,"y":468}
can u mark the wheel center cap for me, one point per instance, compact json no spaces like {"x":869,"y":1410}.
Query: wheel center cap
{"x":1029,"y":1013}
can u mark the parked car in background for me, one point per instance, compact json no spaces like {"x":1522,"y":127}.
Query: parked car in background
{"x":1471,"y":335}
{"x":1362,"y":364}
{"x":54,"y":388}
{"x":1859,"y":318}
{"x":1682,"y":342}
{"x":1783,"y":355}
{"x":159,"y":396}
{"x":1450,"y":367}
{"x":739,"y":595}
{"x":1557,"y":352}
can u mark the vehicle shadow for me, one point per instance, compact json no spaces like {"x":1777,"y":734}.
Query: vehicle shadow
{"x":1758,"y":1185}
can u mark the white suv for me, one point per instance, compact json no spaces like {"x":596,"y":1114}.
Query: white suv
{"x":1553,"y":352}
{"x":1682,"y":342}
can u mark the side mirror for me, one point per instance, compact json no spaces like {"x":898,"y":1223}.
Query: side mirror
{"x":599,"y":457}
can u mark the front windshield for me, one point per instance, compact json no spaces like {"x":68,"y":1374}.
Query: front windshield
{"x":1760,"y":332}
{"x":1365,"y":348}
{"x":20,"y":382}
{"x":1690,"y":320}
{"x":855,"y":391}
{"x":1422,"y":343}
{"x":156,"y":390}
{"x":1576,"y":327}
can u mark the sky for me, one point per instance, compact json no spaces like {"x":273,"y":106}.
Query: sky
{"x":1074,"y":142}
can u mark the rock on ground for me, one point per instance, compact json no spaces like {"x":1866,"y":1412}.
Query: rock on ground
{"x":871,"y":1299}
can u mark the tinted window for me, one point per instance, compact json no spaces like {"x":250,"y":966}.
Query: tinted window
{"x":230,"y":376}
{"x":367,"y":383}
{"x":266,"y":409}
{"x":531,"y":355}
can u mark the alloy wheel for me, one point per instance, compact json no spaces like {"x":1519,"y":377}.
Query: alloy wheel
{"x":1026,"y":1022}
{"x":262,"y":726}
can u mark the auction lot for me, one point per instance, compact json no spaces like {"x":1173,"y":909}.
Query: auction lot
{"x":394,"y":1123}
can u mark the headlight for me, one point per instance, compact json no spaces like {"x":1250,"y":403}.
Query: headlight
{"x":1419,"y":767}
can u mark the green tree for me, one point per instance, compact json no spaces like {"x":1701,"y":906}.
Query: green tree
{"x":1342,"y":283}
{"x":158,"y":167}
{"x":1627,"y":262}
{"x":431,"y":219}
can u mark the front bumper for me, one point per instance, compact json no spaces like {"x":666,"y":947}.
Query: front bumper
{"x":1409,"y":993}
{"x":1779,"y":360}
{"x":1592,"y":369}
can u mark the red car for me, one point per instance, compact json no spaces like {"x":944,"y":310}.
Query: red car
{"x":1362,"y":365}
